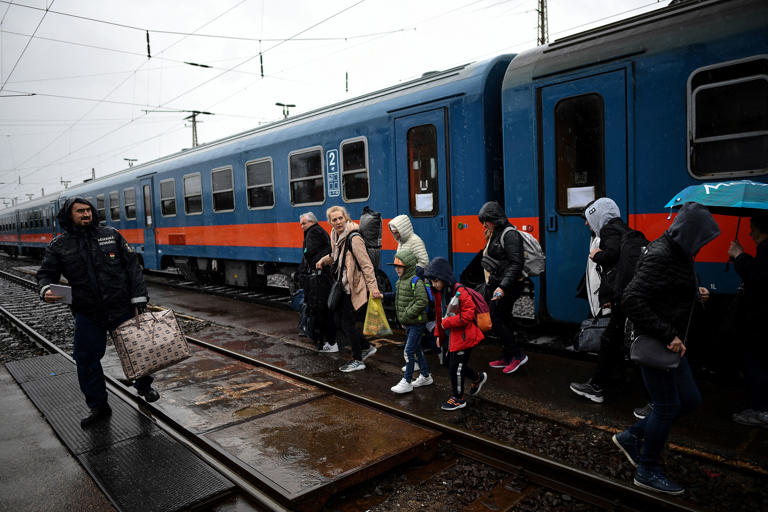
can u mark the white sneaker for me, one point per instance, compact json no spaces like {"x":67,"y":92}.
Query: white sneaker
{"x":422,"y":381}
{"x":330,"y":348}
{"x":415,"y":367}
{"x":369,"y":352}
{"x":402,"y":387}
{"x":352,"y":366}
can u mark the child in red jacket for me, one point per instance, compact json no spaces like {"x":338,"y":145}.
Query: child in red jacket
{"x":459,"y":331}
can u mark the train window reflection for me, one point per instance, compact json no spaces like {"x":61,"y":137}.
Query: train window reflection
{"x":422,"y":174}
{"x":193,"y":194}
{"x":728,"y":119}
{"x":354,"y":170}
{"x":223,"y":190}
{"x":168,"y":198}
{"x":579,"y":151}
{"x":101,"y":208}
{"x":259,"y":184}
{"x":129,"y":201}
{"x":114,"y":205}
{"x":306,"y":177}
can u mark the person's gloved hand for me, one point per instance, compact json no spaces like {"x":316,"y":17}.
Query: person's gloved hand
{"x":141,"y":308}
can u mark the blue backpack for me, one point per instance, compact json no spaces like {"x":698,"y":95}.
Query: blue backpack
{"x":430,"y":309}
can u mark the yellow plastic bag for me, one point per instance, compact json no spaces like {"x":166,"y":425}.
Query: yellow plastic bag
{"x":375,"y":320}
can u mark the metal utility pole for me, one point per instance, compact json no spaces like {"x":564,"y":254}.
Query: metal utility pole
{"x":192,"y":117}
{"x":543,"y":30}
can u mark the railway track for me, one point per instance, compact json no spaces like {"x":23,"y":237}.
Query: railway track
{"x":519,"y":466}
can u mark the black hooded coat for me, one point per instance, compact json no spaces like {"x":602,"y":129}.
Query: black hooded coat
{"x":99,"y":265}
{"x":662,"y":292}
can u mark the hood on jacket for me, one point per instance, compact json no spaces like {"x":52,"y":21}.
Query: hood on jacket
{"x":65,"y":213}
{"x":408,"y":260}
{"x":492,"y":212}
{"x":403,"y":226}
{"x":440,"y":269}
{"x":600,"y":212}
{"x":693,"y":228}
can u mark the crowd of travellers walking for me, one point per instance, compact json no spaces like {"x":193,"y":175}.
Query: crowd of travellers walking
{"x":653,"y":290}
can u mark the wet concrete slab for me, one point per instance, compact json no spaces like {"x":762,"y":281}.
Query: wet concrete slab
{"x":326,"y":444}
{"x":205,"y":406}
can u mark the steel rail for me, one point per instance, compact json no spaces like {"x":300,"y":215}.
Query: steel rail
{"x":585,"y":485}
{"x":207,"y":451}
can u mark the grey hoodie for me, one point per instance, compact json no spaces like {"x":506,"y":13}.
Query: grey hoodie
{"x":600,"y":212}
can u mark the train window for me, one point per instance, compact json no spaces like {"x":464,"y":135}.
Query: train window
{"x":222,"y":190}
{"x":193,"y":194}
{"x":728,"y":119}
{"x":101,"y":208}
{"x":168,"y":198}
{"x":114,"y":205}
{"x":259,"y":184}
{"x":579,"y":152}
{"x":422,"y":177}
{"x":306,"y":177}
{"x":354,"y":170}
{"x":129,"y":203}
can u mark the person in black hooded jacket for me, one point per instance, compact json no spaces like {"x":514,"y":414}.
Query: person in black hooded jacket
{"x":502,"y":263}
{"x":659,"y":300}
{"x":107,"y":289}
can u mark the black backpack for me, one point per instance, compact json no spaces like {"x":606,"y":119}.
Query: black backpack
{"x":430,"y":309}
{"x":633,"y":244}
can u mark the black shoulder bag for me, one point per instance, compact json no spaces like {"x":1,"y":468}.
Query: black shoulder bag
{"x":337,"y":288}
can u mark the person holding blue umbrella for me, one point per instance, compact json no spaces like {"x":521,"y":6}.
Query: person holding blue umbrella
{"x":750,"y":308}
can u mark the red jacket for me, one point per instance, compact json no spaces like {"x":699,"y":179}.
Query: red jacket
{"x":464,"y":332}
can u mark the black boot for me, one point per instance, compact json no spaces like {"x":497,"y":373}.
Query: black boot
{"x":150,"y":394}
{"x":97,"y":414}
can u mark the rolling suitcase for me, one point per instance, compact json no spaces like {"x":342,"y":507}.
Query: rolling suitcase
{"x":149,"y":342}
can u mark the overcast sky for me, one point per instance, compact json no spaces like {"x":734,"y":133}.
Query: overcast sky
{"x":88,"y":68}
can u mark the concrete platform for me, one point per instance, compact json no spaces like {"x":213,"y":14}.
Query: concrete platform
{"x":29,"y":448}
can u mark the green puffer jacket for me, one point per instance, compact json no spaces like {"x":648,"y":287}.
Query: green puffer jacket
{"x":410,"y":302}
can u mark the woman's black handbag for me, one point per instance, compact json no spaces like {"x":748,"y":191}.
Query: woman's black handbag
{"x":652,"y":353}
{"x":590,"y":333}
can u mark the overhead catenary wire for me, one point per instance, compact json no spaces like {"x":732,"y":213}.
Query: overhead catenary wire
{"x":24,"y":50}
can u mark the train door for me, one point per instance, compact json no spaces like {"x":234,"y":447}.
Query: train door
{"x":150,"y":250}
{"x":584,"y":157}
{"x":422,"y":178}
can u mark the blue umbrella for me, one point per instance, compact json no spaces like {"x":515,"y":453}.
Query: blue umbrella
{"x":743,"y":198}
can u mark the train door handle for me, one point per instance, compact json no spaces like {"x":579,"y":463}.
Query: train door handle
{"x":552,"y":223}
{"x":441,"y":221}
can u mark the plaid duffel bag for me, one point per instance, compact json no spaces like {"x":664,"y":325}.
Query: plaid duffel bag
{"x":149,"y":342}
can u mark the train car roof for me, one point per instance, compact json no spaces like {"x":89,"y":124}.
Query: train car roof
{"x":673,"y":26}
{"x":430,"y":87}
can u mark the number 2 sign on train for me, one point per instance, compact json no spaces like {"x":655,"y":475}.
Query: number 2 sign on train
{"x":635,"y":111}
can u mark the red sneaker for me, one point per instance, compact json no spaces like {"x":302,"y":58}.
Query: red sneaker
{"x":515,"y":364}
{"x":501,"y":363}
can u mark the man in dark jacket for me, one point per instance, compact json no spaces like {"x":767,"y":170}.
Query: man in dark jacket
{"x":502,"y":263}
{"x":604,"y":218}
{"x":107,"y":289}
{"x":751,"y":307}
{"x":319,"y":322}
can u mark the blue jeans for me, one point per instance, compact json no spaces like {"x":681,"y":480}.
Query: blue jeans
{"x":89,"y":347}
{"x":673,"y":392}
{"x":413,"y":352}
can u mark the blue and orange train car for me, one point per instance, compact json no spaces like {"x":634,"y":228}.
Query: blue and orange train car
{"x":635,"y":111}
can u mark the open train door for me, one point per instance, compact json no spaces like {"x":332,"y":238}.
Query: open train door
{"x":422,"y":177}
{"x":584,"y":156}
{"x":148,"y":210}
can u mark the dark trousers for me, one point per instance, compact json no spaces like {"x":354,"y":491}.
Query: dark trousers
{"x":610,"y":362}
{"x":458,"y":368}
{"x":673,"y":392}
{"x":346,"y":319}
{"x":504,"y":325}
{"x":89,"y":347}
{"x":322,"y":328}
{"x":756,"y":373}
